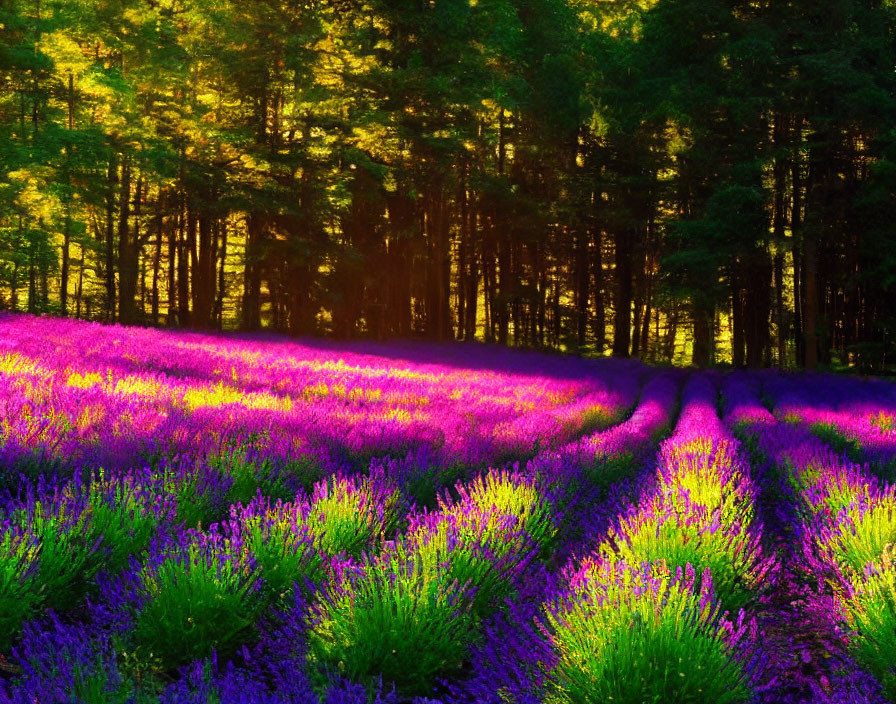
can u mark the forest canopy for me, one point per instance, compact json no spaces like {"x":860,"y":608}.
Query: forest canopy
{"x":699,"y":181}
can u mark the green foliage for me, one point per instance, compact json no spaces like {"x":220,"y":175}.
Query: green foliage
{"x":53,"y":548}
{"x":862,"y":533}
{"x":406,"y":617}
{"x":704,"y":252}
{"x":69,"y":554}
{"x":84,"y":669}
{"x":731,"y":555}
{"x":197,"y":598}
{"x":472,"y":550}
{"x":18,"y":597}
{"x":358,"y":139}
{"x":250,"y":474}
{"x":696,"y":481}
{"x":121,"y":520}
{"x":197,"y":498}
{"x":348,"y":514}
{"x":697,"y":519}
{"x":412,"y":611}
{"x":872,"y":612}
{"x":596,"y":419}
{"x":604,"y":472}
{"x":627,"y":636}
{"x":492,"y":497}
{"x":838,"y":442}
{"x":423,"y":487}
{"x":277,"y":537}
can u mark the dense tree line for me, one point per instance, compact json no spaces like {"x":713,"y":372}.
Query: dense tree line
{"x":707,"y":180}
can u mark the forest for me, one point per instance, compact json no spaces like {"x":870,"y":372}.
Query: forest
{"x":685,"y":181}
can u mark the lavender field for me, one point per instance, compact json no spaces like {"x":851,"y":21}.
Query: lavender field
{"x":220,"y":519}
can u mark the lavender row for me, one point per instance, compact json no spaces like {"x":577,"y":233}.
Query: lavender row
{"x":645,"y":616}
{"x":858,"y":418}
{"x":643,"y":603}
{"x":819,"y":652}
{"x":595,"y":476}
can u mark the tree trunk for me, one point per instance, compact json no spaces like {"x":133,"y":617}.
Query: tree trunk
{"x":778,"y":220}
{"x":757,"y":307}
{"x":67,"y":232}
{"x":582,"y":280}
{"x":645,"y":326}
{"x":538,"y":339}
{"x":463,"y":247}
{"x":222,"y":254}
{"x":204,"y":275}
{"x":810,"y":293}
{"x":439,"y":284}
{"x":80,"y":290}
{"x":128,"y":265}
{"x":172,"y":269}
{"x":112,"y":181}
{"x":183,"y":264}
{"x":194,"y":274}
{"x":472,"y":297}
{"x":157,"y":260}
{"x":623,"y":303}
{"x":504,"y":285}
{"x":796,"y":235}
{"x":703,"y":336}
{"x":64,"y":268}
{"x":599,"y":322}
{"x":32,"y":275}
{"x":737,"y":321}
{"x":251,"y":313}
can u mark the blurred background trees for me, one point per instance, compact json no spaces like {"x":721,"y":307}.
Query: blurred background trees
{"x":679,"y":180}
